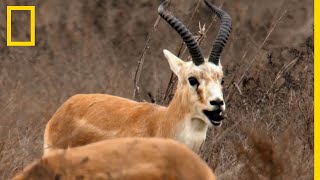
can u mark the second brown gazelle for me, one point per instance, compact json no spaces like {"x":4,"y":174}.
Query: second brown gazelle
{"x":119,"y":159}
{"x":197,"y":104}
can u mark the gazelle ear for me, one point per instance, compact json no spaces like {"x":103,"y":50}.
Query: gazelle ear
{"x":174,"y":62}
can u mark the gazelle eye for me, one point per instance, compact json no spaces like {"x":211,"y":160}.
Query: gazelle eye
{"x":193,"y":82}
{"x":222,"y":82}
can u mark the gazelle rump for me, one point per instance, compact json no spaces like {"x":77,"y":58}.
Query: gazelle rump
{"x":122,"y":158}
{"x":197,"y":104}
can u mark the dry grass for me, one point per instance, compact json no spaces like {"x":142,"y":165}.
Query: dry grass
{"x":94,"y":46}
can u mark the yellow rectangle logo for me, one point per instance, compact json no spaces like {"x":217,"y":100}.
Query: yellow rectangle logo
{"x":32,"y":25}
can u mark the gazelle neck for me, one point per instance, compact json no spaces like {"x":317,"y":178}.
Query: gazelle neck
{"x":179,"y":106}
{"x":173,"y":115}
{"x":186,"y":129}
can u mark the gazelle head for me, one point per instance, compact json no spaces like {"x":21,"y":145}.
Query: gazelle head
{"x":200,"y":80}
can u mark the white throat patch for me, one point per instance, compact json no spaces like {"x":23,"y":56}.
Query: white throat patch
{"x":192,"y":132}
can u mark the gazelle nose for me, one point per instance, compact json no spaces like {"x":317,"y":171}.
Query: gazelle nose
{"x":217,"y":102}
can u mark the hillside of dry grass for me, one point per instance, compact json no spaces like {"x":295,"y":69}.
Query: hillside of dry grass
{"x":94,"y":46}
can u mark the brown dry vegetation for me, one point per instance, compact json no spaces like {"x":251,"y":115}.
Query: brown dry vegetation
{"x":92,"y":46}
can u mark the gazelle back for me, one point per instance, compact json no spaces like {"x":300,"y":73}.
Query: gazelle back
{"x":123,"y":158}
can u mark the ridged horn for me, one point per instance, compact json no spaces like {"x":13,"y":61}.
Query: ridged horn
{"x":184,"y":32}
{"x":223,"y":34}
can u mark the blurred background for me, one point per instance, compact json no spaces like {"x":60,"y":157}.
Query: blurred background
{"x":93,"y":46}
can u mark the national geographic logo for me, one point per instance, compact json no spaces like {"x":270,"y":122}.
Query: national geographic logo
{"x":31,"y":41}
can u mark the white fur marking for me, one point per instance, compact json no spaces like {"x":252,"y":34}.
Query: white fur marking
{"x":192,"y":132}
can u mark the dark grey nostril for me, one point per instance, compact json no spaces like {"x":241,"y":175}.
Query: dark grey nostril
{"x":217,"y":103}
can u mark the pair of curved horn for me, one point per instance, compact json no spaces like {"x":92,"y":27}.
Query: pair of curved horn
{"x":190,"y":41}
